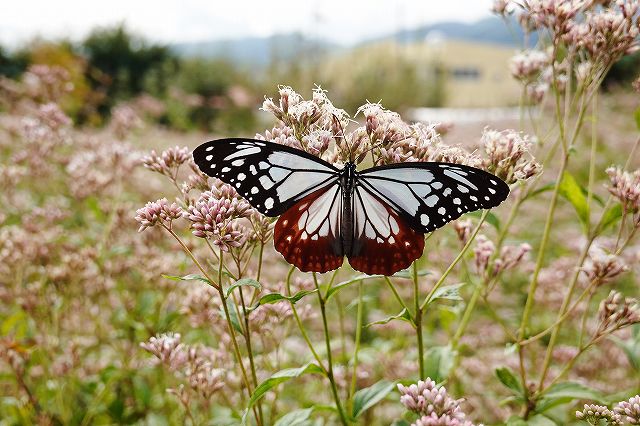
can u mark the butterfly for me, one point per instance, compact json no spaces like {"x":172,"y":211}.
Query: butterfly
{"x":376,"y":217}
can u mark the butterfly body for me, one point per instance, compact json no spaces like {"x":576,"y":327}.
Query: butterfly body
{"x":376,"y":217}
{"x":347,"y":183}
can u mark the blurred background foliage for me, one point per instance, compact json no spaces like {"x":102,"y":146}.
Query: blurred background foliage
{"x":219,"y":93}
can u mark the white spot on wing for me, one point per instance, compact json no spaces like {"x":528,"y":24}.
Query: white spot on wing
{"x":269,"y":203}
{"x":424,"y":219}
{"x":431,"y":200}
{"x":266,"y":182}
{"x":278,"y":173}
{"x":249,"y":150}
{"x":241,"y":176}
{"x":454,"y":175}
{"x":394,"y":224}
{"x":237,"y":163}
{"x":421,"y":190}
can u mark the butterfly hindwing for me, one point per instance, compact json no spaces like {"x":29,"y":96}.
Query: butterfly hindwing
{"x":308,"y":234}
{"x":380,"y":228}
{"x":383,"y":243}
{"x":272,"y":177}
{"x":429,"y":195}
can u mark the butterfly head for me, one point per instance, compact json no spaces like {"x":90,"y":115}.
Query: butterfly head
{"x":347,"y":176}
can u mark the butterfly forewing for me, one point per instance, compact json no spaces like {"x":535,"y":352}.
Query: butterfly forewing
{"x":391,"y":206}
{"x":308,"y":234}
{"x":271,"y":177}
{"x":429,"y":195}
{"x":383,"y":243}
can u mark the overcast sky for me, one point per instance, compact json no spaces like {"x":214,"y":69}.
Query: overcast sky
{"x":342,"y":21}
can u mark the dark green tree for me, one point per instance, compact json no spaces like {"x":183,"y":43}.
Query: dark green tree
{"x":119,"y":62}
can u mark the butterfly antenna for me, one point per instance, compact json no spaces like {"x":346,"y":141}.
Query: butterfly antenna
{"x":379,"y":144}
{"x":342,"y":135}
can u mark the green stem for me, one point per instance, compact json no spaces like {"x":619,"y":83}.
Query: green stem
{"x":418,"y":320}
{"x":305,"y":336}
{"x":466,"y":316}
{"x":437,"y":285}
{"x":560,"y":319}
{"x":247,"y":337}
{"x":193,"y":258}
{"x":541,"y":252}
{"x":327,"y":340}
{"x":592,"y":162}
{"x":354,"y":376}
{"x":234,"y":340}
{"x":343,"y":333}
{"x":397,"y":296}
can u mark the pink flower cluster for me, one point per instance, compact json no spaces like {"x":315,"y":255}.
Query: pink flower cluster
{"x":508,"y":155}
{"x":155,"y":212}
{"x":433,"y":404}
{"x":214,"y":217}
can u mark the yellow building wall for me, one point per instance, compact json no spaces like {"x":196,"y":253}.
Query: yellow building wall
{"x":493,"y":87}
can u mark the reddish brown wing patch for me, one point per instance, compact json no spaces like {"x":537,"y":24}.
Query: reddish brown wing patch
{"x":307,"y":234}
{"x":383,"y":242}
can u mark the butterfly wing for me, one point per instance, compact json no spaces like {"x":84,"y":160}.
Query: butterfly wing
{"x":383,"y":242}
{"x":272,"y":177}
{"x":429,"y":195}
{"x":308,"y":234}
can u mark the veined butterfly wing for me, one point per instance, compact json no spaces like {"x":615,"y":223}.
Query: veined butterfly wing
{"x":308,"y":234}
{"x":429,"y":195}
{"x":270,"y":176}
{"x":383,"y":242}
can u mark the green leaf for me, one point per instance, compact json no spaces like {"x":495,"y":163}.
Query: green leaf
{"x":509,"y":379}
{"x":16,"y":324}
{"x":404,"y":315}
{"x":233,"y":315}
{"x":546,"y":188}
{"x":333,"y":290}
{"x":438,"y":362}
{"x":540,"y":420}
{"x":368,"y":397}
{"x":295,"y":418}
{"x":448,"y":292}
{"x":636,"y":116}
{"x":491,"y":218}
{"x":571,"y":191}
{"x":407,"y":273}
{"x":564,"y":392}
{"x":611,"y":216}
{"x":631,"y":350}
{"x":537,"y":420}
{"x":515,"y":421}
{"x":277,"y":378}
{"x":190,"y":277}
{"x":272,"y":298}
{"x":243,"y":282}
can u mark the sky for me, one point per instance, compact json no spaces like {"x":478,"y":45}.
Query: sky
{"x":341,"y":21}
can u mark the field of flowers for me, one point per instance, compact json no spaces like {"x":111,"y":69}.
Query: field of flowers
{"x":136,"y":290}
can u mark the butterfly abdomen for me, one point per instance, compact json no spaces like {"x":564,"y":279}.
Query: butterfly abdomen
{"x":347,"y":181}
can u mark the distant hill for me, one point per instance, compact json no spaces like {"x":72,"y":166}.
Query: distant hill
{"x":256,"y":50}
{"x":488,"y":30}
{"x":261,"y":50}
